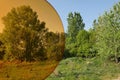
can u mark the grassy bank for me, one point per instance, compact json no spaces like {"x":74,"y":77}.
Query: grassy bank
{"x":89,"y":69}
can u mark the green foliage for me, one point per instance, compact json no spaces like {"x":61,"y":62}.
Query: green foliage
{"x":23,"y":34}
{"x":107,"y":28}
{"x":85,"y":44}
{"x":79,"y":42}
{"x":82,"y":43}
{"x":75,"y":24}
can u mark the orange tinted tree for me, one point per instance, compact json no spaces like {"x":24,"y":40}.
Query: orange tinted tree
{"x":23,"y":34}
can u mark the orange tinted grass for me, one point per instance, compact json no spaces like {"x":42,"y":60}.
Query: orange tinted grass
{"x":25,"y":70}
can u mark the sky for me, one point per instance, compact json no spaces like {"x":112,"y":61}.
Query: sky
{"x":89,"y":9}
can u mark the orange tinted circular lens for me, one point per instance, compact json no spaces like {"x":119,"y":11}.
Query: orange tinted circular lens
{"x":31,"y":39}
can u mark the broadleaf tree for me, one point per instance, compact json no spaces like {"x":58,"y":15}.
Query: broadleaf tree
{"x":75,"y":24}
{"x":23,"y":34}
{"x":107,"y":28}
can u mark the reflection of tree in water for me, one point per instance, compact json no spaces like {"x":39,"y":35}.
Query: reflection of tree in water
{"x":26,"y":38}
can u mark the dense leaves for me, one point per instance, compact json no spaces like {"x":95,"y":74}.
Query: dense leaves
{"x":75,"y":24}
{"x":79,"y":42}
{"x":26,"y":38}
{"x":107,"y":28}
{"x":23,"y":34}
{"x":85,"y":48}
{"x":103,"y":40}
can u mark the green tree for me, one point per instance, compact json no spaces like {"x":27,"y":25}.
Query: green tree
{"x":92,"y":41}
{"x":75,"y":24}
{"x":107,"y":28}
{"x":85,"y":44}
{"x":82,"y":43}
{"x":23,"y":34}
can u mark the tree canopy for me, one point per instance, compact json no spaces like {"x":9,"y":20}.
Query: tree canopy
{"x":26,"y":38}
{"x":75,"y":24}
{"x":107,"y":29}
{"x":23,"y":34}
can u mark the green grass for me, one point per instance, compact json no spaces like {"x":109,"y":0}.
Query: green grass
{"x":89,"y":69}
{"x":25,"y":70}
{"x":68,"y":69}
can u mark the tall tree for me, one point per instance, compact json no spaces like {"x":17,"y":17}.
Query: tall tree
{"x":108,"y":33}
{"x":23,"y":34}
{"x":75,"y":24}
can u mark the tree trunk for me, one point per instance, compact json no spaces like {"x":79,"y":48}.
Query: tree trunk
{"x":116,"y":58}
